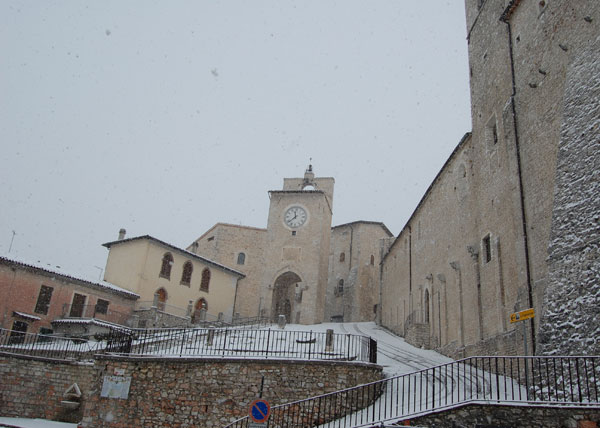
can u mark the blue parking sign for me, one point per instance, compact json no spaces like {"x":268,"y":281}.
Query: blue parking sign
{"x":259,"y":411}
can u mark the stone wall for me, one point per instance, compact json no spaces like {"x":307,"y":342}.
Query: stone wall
{"x":223,"y":243}
{"x":497,"y":416}
{"x":571,"y":323}
{"x":354,"y":258}
{"x":166,"y":392}
{"x":210,"y":393}
{"x":514,"y":209}
{"x":34,"y":387}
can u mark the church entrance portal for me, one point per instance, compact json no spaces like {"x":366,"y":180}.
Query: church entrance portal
{"x":284,"y":295}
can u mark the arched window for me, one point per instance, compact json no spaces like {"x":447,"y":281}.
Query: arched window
{"x":186,"y":276}
{"x":165,"y":269}
{"x":160,"y":298}
{"x":241,"y":259}
{"x":342,"y":257}
{"x":372,"y":259}
{"x":205,"y":280}
{"x":426,"y":306}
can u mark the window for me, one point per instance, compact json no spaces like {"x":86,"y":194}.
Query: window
{"x":102,"y":306}
{"x":342,"y":257}
{"x":186,"y":276}
{"x":44,"y":331}
{"x":77,"y":306}
{"x":17,"y":335}
{"x":241,"y":259}
{"x":205,"y":280}
{"x":340,"y":287}
{"x":487,"y":248}
{"x":426,"y":307}
{"x":165,"y":269}
{"x":43,"y":301}
{"x":372,"y":259}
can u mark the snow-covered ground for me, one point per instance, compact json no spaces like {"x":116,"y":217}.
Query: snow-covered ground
{"x":33,"y":423}
{"x":393,"y":353}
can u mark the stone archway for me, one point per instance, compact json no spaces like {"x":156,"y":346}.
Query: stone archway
{"x":284,"y":295}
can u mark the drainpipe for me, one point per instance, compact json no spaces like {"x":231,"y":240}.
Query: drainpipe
{"x":505,"y":18}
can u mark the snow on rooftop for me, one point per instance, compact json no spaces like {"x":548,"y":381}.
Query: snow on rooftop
{"x":66,"y":273}
{"x":24,"y":315}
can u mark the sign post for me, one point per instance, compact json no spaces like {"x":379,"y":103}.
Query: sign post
{"x":259,"y":413}
{"x":522,"y":316}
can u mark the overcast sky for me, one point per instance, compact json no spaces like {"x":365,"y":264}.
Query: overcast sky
{"x":165,"y":118}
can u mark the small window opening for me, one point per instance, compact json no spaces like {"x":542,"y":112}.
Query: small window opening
{"x":372,"y":259}
{"x":165,"y":268}
{"x":241,"y":259}
{"x":342,"y":257}
{"x":487,"y":249}
{"x":186,"y":276}
{"x":340,"y":288}
{"x":43,"y":301}
{"x":293,"y":233}
{"x":205,"y":280}
{"x":102,"y":306}
{"x":211,"y":238}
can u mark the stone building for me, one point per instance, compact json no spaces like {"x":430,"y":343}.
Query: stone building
{"x":177,"y":283}
{"x":354,"y":262}
{"x":289,"y":268}
{"x":510,"y":222}
{"x":36,"y":297}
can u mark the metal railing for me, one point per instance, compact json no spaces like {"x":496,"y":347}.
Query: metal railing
{"x":243,"y":343}
{"x":95,"y":311}
{"x":162,"y":306}
{"x":551,"y":381}
{"x":45,"y":345}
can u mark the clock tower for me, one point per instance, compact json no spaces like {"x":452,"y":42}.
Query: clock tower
{"x":297,"y":250}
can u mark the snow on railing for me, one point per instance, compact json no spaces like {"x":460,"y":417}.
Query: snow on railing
{"x":46,"y":345}
{"x":241,"y":343}
{"x":551,"y":381}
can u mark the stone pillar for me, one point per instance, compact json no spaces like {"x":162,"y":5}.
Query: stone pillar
{"x":202,"y":314}
{"x":329,"y":340}
{"x":210,"y":337}
{"x":155,"y":301}
{"x":281,"y":321}
{"x":190,"y":307}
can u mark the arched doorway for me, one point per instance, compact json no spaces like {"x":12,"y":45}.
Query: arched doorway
{"x":160,"y":298}
{"x":198,"y":314}
{"x":284,"y":295}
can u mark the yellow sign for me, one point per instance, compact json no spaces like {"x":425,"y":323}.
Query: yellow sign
{"x":522,"y":316}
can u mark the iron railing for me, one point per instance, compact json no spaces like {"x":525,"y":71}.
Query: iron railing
{"x":551,"y":381}
{"x":95,"y":311}
{"x":45,"y":345}
{"x":241,"y":342}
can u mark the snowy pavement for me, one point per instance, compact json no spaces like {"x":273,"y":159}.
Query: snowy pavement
{"x":33,"y":423}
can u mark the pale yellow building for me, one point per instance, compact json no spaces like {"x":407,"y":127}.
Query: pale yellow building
{"x":175,"y":281}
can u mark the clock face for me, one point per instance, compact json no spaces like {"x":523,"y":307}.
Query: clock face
{"x":295,"y":217}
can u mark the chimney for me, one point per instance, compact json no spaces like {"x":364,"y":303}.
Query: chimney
{"x":122,"y":233}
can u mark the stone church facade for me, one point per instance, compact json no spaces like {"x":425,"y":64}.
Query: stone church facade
{"x":290,"y":267}
{"x":511,"y":220}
